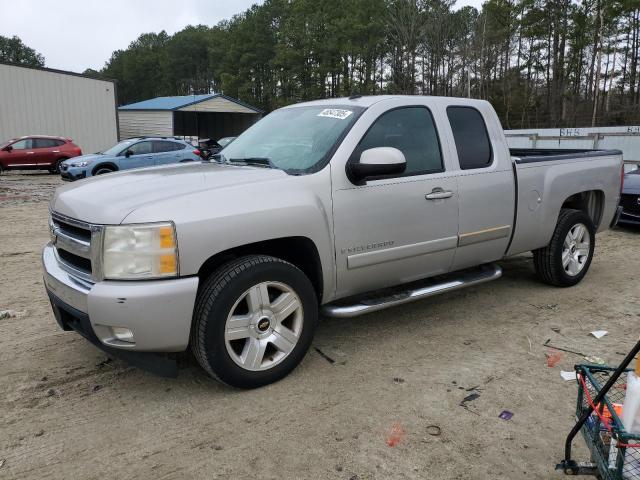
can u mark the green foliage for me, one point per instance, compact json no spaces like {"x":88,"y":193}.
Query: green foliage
{"x":12,"y":50}
{"x":540,"y":62}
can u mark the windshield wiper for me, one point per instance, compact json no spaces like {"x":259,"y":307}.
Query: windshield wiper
{"x":255,"y":161}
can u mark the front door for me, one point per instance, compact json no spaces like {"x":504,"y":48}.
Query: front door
{"x":141,"y":156}
{"x":396,"y":230}
{"x":22,"y":154}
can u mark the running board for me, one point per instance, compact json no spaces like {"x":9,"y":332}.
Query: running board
{"x":444,"y":284}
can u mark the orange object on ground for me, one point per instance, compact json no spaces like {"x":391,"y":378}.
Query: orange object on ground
{"x":553,"y":359}
{"x":396,"y":434}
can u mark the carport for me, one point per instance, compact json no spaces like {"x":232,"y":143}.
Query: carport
{"x":189,"y":116}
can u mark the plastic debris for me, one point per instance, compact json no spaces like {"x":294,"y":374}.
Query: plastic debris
{"x":434,"y":430}
{"x":396,"y":434}
{"x":469,"y":398}
{"x":505,"y":415}
{"x":8,"y":314}
{"x":599,"y":333}
{"x":568,"y":375}
{"x":594,"y":359}
{"x":554,"y":358}
{"x":2,"y":462}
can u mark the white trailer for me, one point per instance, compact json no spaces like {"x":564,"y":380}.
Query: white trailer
{"x":623,"y":138}
{"x":42,"y":101}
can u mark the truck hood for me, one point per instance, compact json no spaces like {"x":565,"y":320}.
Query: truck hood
{"x":108,"y":199}
{"x":632,"y":182}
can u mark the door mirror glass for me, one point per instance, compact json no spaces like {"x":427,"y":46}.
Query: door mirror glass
{"x":378,"y":162}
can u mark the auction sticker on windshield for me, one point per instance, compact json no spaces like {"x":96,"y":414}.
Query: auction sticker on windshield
{"x":335,"y":113}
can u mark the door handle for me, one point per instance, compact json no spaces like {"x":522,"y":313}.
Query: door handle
{"x":438,"y":194}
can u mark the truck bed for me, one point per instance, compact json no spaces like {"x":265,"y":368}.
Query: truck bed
{"x":532,"y":155}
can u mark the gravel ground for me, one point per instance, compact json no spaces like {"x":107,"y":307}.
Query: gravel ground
{"x":66,"y":411}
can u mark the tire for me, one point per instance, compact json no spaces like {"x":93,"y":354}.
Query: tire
{"x":548,"y":261}
{"x":56,"y":168}
{"x":1,"y":169}
{"x":267,"y":339}
{"x":102,"y":170}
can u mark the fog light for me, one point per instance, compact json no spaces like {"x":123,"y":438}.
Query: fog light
{"x":122,"y":334}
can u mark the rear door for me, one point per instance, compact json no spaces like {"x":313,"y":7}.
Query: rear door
{"x":486,"y":184}
{"x":46,"y":151}
{"x":22,"y":154}
{"x":165,"y":152}
{"x":392,"y":231}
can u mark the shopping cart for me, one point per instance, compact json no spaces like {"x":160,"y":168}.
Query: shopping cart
{"x":615,"y":453}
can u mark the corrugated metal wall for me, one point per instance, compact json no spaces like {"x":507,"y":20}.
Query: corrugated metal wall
{"x":42,"y":102}
{"x":145,"y":123}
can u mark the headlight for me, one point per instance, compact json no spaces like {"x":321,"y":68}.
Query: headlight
{"x":140,"y":251}
{"x":79,"y":164}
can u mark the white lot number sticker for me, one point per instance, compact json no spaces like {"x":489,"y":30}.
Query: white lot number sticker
{"x":335,"y":113}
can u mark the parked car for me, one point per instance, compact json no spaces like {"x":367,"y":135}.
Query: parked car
{"x":37,"y":152}
{"x":352,"y":204}
{"x":131,"y":153}
{"x":630,"y":199}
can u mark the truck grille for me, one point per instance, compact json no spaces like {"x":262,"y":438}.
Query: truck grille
{"x":630,"y":203}
{"x":76,"y":245}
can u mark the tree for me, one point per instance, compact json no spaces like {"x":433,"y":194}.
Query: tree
{"x":12,"y":50}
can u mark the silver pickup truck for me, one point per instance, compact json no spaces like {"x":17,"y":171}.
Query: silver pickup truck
{"x":347,"y":206}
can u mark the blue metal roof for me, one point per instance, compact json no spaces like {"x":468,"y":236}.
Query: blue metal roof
{"x":167,"y":103}
{"x":178,"y":102}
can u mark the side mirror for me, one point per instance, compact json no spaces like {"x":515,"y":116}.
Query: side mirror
{"x":8,"y":148}
{"x":128,"y":153}
{"x":378,"y":162}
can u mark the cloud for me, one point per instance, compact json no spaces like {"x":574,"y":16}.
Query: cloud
{"x":79,"y":34}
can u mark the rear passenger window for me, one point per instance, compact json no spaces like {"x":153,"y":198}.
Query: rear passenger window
{"x":160,"y":146}
{"x":412,"y":131}
{"x":472,"y":139}
{"x":45,"y":143}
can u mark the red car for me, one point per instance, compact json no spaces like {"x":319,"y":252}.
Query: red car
{"x":36,"y":153}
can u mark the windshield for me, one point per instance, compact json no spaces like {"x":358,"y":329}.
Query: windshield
{"x":297,"y":140}
{"x":118,"y":147}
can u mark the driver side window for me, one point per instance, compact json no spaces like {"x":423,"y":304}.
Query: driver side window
{"x":140,"y":148}
{"x":25,"y":144}
{"x":412,"y":131}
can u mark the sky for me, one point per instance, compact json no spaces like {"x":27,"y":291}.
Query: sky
{"x":78,"y":34}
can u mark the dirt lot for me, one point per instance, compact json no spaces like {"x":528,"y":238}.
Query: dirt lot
{"x":65,"y":412}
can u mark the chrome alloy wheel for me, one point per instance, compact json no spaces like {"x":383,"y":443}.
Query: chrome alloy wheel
{"x":264,"y":326}
{"x":575,"y":250}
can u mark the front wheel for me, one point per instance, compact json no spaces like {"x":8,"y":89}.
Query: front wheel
{"x":254,"y":321}
{"x":566,"y":260}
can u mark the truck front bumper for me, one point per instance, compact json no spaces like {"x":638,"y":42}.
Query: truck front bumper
{"x":156,"y":313}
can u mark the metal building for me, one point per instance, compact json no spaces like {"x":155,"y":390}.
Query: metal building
{"x":43,"y":101}
{"x":190,"y":116}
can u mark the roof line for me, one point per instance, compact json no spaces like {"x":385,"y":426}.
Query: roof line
{"x":62,"y":72}
{"x":177,"y":108}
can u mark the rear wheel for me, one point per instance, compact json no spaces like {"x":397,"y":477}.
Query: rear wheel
{"x":566,"y":260}
{"x":254,"y":321}
{"x":56,"y":167}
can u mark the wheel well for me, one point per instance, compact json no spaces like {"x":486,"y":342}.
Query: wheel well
{"x":299,"y":251}
{"x":590,"y":202}
{"x":107,"y":164}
